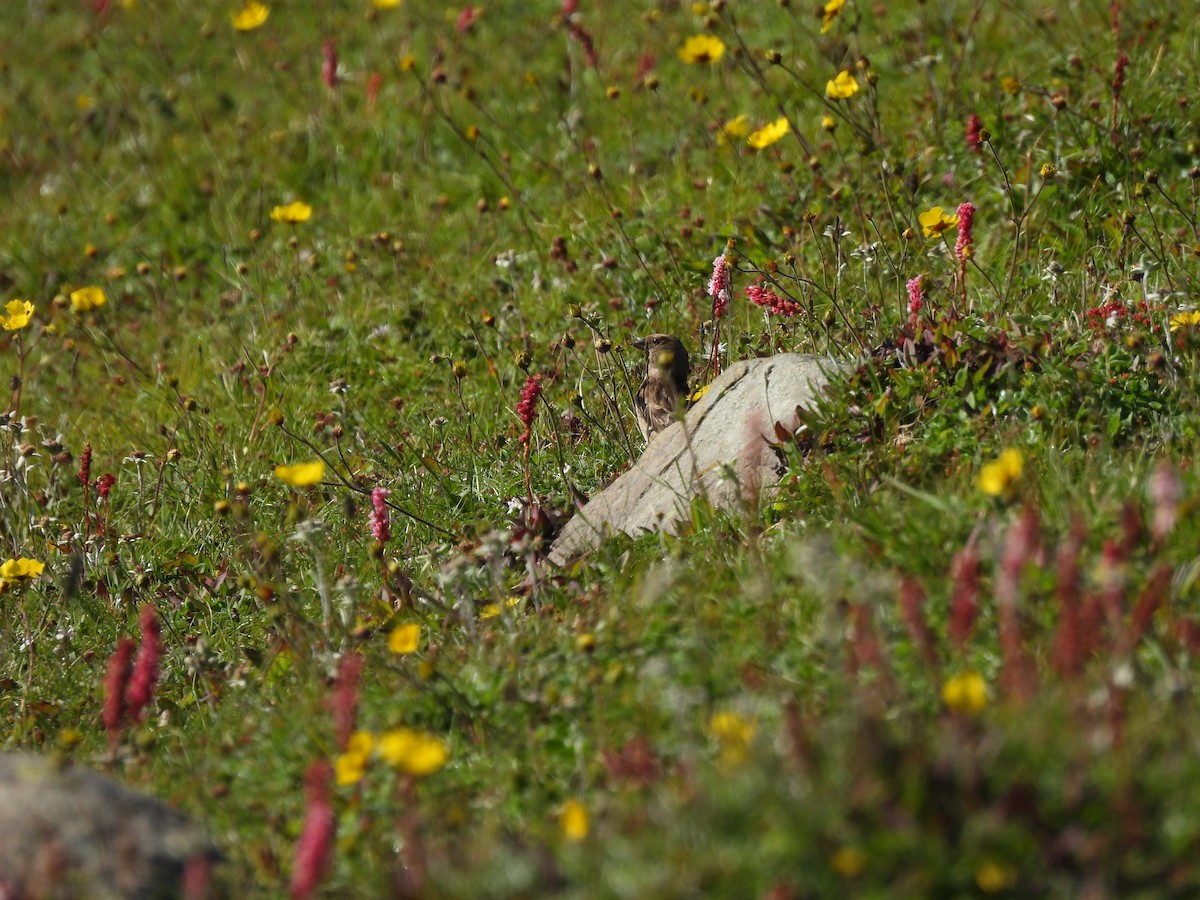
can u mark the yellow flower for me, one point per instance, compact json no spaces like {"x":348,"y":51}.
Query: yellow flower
{"x":769,"y":134}
{"x":292,"y":214}
{"x":350,"y":766}
{"x":21,"y":569}
{"x":993,"y":878}
{"x":17,"y":314}
{"x":934,"y":222}
{"x":405,"y":638}
{"x":699,"y":393}
{"x":828,"y":123}
{"x":573,"y":820}
{"x":849,"y":861}
{"x":87,"y":298}
{"x":1187,"y":319}
{"x":998,"y":476}
{"x":412,"y":751}
{"x":831,"y":11}
{"x":302,"y":474}
{"x":385,"y":4}
{"x":250,"y":16}
{"x":734,"y":734}
{"x":702,"y":48}
{"x":737,"y":127}
{"x":493,"y":609}
{"x":1010,"y":85}
{"x":843,"y":87}
{"x":965,"y":693}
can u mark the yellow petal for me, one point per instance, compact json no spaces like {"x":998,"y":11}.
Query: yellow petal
{"x":17,"y":314}
{"x":574,"y":821}
{"x":702,"y":48}
{"x":412,"y":751}
{"x":292,"y":214}
{"x":87,"y":298}
{"x":405,"y":638}
{"x":250,"y":16}
{"x":302,"y":474}
{"x":349,"y":768}
{"x":769,"y":134}
{"x":965,"y":693}
{"x":842,"y":87}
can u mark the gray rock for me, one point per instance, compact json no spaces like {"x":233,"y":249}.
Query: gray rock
{"x":721,"y":450}
{"x":66,"y":832}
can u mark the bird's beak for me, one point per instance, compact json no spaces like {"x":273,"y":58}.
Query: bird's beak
{"x":640,"y":343}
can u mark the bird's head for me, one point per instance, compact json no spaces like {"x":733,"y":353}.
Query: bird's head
{"x":664,"y":352}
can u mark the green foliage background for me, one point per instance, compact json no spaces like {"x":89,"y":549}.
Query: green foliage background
{"x":487,"y":196}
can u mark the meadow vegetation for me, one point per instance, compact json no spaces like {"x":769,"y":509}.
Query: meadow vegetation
{"x":317,"y":323}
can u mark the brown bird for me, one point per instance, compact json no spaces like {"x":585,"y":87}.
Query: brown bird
{"x":657,"y":402}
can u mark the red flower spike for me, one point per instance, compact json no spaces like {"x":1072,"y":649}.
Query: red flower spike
{"x":964,"y":600}
{"x":146,"y":669}
{"x":1020,"y":548}
{"x":1070,"y":648}
{"x":329,"y":66}
{"x":314,"y":847}
{"x":343,"y":699}
{"x":115,"y":681}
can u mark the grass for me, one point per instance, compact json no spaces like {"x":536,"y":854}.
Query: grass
{"x":782,"y":701}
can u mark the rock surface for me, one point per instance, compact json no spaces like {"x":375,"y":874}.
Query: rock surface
{"x":67,"y":832}
{"x":720,"y":450}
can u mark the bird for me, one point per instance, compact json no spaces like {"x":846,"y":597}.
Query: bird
{"x":657,"y":402}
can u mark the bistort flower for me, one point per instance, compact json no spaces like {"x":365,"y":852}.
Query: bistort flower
{"x":916,"y":295}
{"x":964,"y":248}
{"x":776,"y":305}
{"x":719,"y":286}
{"x":702,"y":48}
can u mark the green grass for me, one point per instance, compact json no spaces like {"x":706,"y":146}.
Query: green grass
{"x":501,"y":208}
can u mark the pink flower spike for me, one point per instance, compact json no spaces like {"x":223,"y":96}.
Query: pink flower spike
{"x":146,"y":668}
{"x":466,"y":19}
{"x":776,"y":305}
{"x":527,"y":405}
{"x":314,"y":847}
{"x":342,"y":701}
{"x":916,"y":295}
{"x":719,"y":286}
{"x":975,"y":134}
{"x":964,"y":248}
{"x":115,"y":681}
{"x":329,"y":66}
{"x":380,"y":519}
